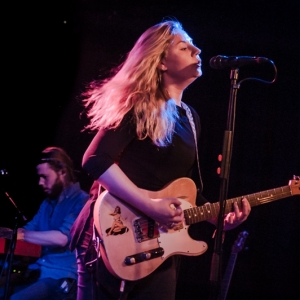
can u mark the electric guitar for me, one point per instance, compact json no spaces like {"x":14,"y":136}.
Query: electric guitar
{"x":133,"y":246}
{"x":236,"y":248}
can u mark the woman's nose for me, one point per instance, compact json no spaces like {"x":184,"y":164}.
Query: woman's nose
{"x":197,"y":51}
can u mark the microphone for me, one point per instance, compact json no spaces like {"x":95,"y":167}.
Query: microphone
{"x":234,"y":62}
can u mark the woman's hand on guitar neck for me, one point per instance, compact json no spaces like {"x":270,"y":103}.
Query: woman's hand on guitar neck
{"x":236,"y":217}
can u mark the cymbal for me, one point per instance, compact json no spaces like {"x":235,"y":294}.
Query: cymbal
{"x":5,"y":233}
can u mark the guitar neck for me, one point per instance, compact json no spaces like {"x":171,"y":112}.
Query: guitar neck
{"x":209,"y":211}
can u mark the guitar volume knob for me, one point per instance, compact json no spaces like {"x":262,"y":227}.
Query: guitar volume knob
{"x":146,"y":255}
{"x":130,"y":260}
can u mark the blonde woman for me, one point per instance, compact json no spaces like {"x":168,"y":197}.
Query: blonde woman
{"x":143,"y":140}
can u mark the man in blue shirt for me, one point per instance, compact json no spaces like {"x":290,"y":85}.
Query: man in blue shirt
{"x":50,"y":228}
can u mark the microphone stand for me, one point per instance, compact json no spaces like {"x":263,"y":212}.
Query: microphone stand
{"x":12,"y":246}
{"x":216,"y":263}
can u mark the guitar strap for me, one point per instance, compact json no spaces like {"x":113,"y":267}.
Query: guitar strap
{"x":191,"y":120}
{"x":95,"y":239}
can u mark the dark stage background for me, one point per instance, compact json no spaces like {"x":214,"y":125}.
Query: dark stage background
{"x":52,"y":49}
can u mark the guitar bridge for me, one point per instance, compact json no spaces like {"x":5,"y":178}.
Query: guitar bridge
{"x":145,"y":229}
{"x":143,"y":256}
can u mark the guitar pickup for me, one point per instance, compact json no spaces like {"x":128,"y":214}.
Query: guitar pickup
{"x":143,"y":256}
{"x":145,"y":229}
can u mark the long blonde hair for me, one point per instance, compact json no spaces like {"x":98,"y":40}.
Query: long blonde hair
{"x":136,"y":85}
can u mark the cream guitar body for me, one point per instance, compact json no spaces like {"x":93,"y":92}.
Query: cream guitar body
{"x":133,"y":246}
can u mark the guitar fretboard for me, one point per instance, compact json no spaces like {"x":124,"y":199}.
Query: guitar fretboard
{"x":209,"y":211}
